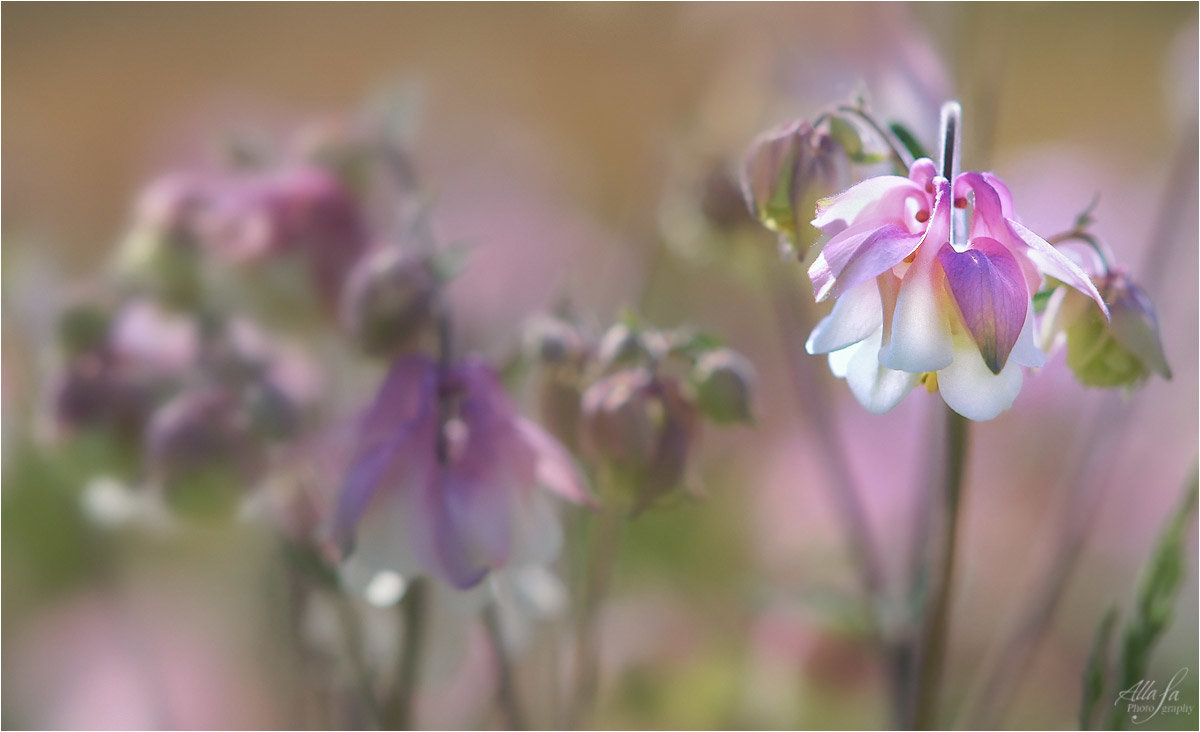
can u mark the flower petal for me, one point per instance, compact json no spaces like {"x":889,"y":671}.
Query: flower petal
{"x":839,"y":361}
{"x":848,"y":261}
{"x":970,"y":388}
{"x":857,"y":314}
{"x":990,"y":292}
{"x":395,"y":438}
{"x":555,"y":469}
{"x":837,"y":212}
{"x":1056,"y":264}
{"x":1026,"y":351}
{"x":919,"y":339}
{"x":877,"y":388}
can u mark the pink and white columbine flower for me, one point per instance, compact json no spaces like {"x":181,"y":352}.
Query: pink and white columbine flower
{"x":444,"y":477}
{"x":914,"y":306}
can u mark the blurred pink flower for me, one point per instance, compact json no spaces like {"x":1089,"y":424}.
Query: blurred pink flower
{"x":911,"y":303}
{"x":443,"y":476}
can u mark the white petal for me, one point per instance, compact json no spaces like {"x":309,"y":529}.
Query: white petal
{"x":1026,"y":351}
{"x":971,"y":389}
{"x":839,"y":361}
{"x":857,"y":314}
{"x":920,"y":339}
{"x":382,"y":540}
{"x":876,"y":387}
{"x":537,"y":535}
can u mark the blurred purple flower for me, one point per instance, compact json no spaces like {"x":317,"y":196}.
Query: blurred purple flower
{"x":911,"y":303}
{"x":443,"y":477}
{"x":300,"y":210}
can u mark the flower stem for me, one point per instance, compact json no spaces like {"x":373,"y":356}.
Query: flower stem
{"x":506,"y":689}
{"x":352,"y":638}
{"x":606,"y":532}
{"x":935,"y":630}
{"x":399,"y":711}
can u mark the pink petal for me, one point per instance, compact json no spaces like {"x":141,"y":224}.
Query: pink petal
{"x":847,"y":261}
{"x":917,"y":335}
{"x":837,"y":212}
{"x":990,"y":291}
{"x":555,"y":470}
{"x":1056,"y":264}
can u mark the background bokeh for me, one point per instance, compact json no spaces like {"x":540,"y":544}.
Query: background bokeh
{"x":563,"y":142}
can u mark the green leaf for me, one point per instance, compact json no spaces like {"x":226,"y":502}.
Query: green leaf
{"x":1156,"y":597}
{"x":1041,"y":299}
{"x":1094,"y":675}
{"x":908,"y":139}
{"x":847,"y":136}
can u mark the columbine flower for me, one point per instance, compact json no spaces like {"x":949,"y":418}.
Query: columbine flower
{"x":444,"y":475}
{"x":912,"y":306}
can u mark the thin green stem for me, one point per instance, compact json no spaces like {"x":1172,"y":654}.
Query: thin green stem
{"x":398,"y":714}
{"x":902,"y":157}
{"x":506,"y":688}
{"x":936,"y":628}
{"x":606,"y":530}
{"x":352,"y":638}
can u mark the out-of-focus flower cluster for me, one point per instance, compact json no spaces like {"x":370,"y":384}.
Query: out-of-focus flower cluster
{"x":634,"y":400}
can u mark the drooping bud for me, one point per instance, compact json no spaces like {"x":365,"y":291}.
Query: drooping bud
{"x":200,"y":450}
{"x":389,"y":300}
{"x":553,"y":342}
{"x":620,"y":346}
{"x":724,"y":381}
{"x":786,"y":169}
{"x":642,"y":427}
{"x":1120,"y":352}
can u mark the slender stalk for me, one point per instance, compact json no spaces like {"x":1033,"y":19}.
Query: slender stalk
{"x":598,"y":574}
{"x":898,"y":151}
{"x":811,"y":397}
{"x":352,"y":638}
{"x":506,"y":689}
{"x":936,"y":628}
{"x":398,"y":713}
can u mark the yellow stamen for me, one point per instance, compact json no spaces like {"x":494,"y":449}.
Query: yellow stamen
{"x":929,"y":379}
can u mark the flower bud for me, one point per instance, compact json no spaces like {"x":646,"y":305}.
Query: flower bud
{"x":95,"y":392}
{"x":643,"y":427}
{"x":786,"y":169}
{"x":160,"y":254}
{"x":1120,"y":352}
{"x":621,"y":418}
{"x":724,"y":380}
{"x":620,"y":346}
{"x":388,"y":300}
{"x":553,"y":342}
{"x":200,"y":450}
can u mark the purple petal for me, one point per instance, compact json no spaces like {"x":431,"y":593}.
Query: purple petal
{"x":990,"y":290}
{"x":395,"y":443}
{"x":439,"y":540}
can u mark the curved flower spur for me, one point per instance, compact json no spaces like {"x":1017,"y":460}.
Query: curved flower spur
{"x":918,"y":302}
